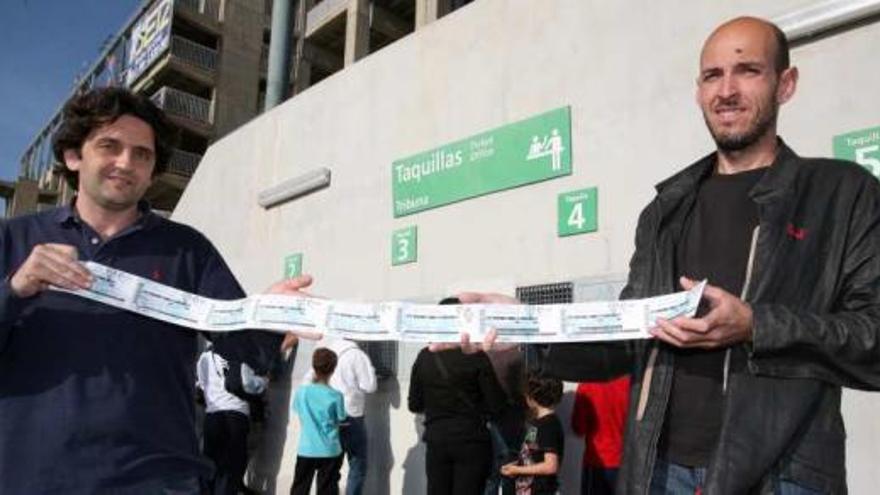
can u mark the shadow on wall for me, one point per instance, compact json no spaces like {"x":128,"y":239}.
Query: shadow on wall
{"x":266,"y":461}
{"x":266,"y":442}
{"x":414,"y":478}
{"x":381,"y":454}
{"x":571,"y":469}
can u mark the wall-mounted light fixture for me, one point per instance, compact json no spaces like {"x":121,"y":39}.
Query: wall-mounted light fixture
{"x":825,"y":16}
{"x":300,"y":185}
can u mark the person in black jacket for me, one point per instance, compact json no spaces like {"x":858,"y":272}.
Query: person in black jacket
{"x":745,"y":397}
{"x":457,"y":392}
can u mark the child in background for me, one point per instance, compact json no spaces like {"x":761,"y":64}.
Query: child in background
{"x":544,"y":442}
{"x":320,"y":409}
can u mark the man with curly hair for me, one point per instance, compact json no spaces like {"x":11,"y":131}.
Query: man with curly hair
{"x":95,"y":399}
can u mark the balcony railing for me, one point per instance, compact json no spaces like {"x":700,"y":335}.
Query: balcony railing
{"x":183,"y":162}
{"x":183,"y":104}
{"x":193,"y":53}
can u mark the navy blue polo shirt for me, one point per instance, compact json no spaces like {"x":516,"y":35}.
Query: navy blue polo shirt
{"x":93,"y":398}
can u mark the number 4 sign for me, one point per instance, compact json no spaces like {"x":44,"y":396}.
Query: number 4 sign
{"x":404,"y":246}
{"x":862,"y":147}
{"x":577,"y":212}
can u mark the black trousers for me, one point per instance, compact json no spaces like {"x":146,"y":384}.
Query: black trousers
{"x":327,"y":469}
{"x":226,"y":435}
{"x":458,"y":468}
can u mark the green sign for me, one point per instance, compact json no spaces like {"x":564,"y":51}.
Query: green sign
{"x":531,"y":150}
{"x":293,"y":265}
{"x":404,"y":245}
{"x":577,"y":212}
{"x":862,"y":147}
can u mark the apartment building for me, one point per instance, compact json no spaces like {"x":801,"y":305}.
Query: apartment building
{"x":205,"y":63}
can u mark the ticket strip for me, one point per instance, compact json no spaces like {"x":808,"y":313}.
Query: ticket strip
{"x":578,"y":322}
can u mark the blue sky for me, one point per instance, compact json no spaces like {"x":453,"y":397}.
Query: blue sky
{"x":43,"y":45}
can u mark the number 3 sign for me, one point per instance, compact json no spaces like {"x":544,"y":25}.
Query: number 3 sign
{"x":404,"y":245}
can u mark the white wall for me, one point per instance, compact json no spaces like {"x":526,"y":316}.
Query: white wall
{"x":626,"y":68}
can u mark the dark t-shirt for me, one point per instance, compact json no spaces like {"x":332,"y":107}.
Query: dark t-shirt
{"x":715,"y":246}
{"x":542,"y":435}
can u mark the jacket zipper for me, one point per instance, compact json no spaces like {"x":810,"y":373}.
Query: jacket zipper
{"x":648,"y":376}
{"x":646,"y":384}
{"x":652,"y":358}
{"x":743,"y":293}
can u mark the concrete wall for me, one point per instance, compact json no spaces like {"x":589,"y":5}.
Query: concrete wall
{"x":238,"y":78}
{"x":626,"y":68}
{"x":26,"y":197}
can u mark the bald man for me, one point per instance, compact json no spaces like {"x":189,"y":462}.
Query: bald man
{"x":745,"y":397}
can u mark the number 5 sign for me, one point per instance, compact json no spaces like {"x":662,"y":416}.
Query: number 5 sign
{"x":862,"y":147}
{"x":404,"y":246}
{"x":577,"y":212}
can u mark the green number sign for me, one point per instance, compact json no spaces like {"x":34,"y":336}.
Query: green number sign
{"x":293,"y":265}
{"x":404,"y":245}
{"x":524,"y":152}
{"x":577,"y":212}
{"x":862,"y":147}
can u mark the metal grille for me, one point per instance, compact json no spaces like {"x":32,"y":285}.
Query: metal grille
{"x":194,"y":53}
{"x":562,"y":292}
{"x":383,"y":355}
{"x":183,"y":162}
{"x":183,"y":104}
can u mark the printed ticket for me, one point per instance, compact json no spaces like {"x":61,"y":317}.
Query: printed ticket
{"x":576,"y":322}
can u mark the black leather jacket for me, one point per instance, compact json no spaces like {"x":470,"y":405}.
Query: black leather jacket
{"x":814,"y":287}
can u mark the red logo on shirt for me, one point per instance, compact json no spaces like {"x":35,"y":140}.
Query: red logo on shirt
{"x":798,"y":233}
{"x":157,"y":274}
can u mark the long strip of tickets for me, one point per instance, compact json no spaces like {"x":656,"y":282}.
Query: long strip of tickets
{"x":578,"y":322}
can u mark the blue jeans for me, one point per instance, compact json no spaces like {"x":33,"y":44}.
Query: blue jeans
{"x":501,"y":454}
{"x":353,"y":436}
{"x":598,"y":481}
{"x":675,"y":479}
